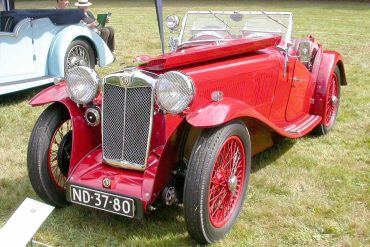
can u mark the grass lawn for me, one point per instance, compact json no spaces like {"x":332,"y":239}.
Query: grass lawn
{"x":305,"y":192}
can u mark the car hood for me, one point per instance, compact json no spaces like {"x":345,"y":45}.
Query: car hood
{"x":211,"y":51}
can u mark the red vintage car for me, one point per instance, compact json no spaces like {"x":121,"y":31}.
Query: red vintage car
{"x":182,"y":127}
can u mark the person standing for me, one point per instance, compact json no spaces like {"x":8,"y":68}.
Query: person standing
{"x":62,"y":4}
{"x":106,"y":33}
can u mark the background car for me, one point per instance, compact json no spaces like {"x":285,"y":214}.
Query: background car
{"x":37,"y":46}
{"x":182,"y":127}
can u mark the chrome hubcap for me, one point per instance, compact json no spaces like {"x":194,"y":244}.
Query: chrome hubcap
{"x":78,"y":56}
{"x":232,"y":183}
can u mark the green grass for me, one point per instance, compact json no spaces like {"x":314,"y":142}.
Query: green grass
{"x":305,"y":192}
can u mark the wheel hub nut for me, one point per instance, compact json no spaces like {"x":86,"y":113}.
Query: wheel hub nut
{"x":83,"y":62}
{"x":233,"y":182}
{"x":334,"y":99}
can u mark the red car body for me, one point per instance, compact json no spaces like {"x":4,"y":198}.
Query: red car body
{"x":244,"y":80}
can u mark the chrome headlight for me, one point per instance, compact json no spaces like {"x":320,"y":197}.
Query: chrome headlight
{"x":82,"y":84}
{"x":172,"y":21}
{"x":174,"y":91}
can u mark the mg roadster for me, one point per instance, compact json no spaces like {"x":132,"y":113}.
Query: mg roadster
{"x":39,"y":46}
{"x":182,"y":127}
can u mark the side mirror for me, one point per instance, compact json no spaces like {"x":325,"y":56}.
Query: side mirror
{"x":304,"y":51}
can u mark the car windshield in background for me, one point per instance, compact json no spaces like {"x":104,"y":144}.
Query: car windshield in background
{"x":202,"y":26}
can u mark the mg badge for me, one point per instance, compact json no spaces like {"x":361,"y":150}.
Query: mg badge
{"x":125,"y":81}
{"x":106,"y":183}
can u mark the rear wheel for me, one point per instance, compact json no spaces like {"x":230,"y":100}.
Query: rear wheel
{"x":216,"y":181}
{"x":331,"y":107}
{"x":49,"y":153}
{"x":79,"y":53}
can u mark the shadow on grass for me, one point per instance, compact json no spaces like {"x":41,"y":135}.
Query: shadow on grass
{"x":84,"y":226}
{"x":17,"y":97}
{"x":165,"y":227}
{"x":270,"y":155}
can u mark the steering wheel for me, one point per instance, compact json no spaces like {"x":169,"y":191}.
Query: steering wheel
{"x":214,"y":33}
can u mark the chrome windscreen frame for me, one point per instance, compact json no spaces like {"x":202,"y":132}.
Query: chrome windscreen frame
{"x":287,"y":37}
{"x":131,"y":78}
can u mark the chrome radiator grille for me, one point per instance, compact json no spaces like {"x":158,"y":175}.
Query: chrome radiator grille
{"x":126,"y":125}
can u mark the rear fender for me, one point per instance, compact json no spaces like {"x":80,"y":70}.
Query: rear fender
{"x":88,"y":137}
{"x":64,"y":38}
{"x":330,"y":60}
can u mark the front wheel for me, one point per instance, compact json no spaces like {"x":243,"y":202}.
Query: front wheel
{"x":216,"y":181}
{"x":49,"y":152}
{"x":331,"y":106}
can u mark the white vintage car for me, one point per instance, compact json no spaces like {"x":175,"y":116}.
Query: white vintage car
{"x":39,"y":46}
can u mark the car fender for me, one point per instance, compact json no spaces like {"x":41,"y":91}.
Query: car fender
{"x":228,"y":109}
{"x":64,"y":38}
{"x":56,"y":93}
{"x":329,"y":61}
{"x":88,"y":137}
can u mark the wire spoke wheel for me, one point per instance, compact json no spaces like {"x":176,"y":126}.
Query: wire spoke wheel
{"x":79,"y":53}
{"x":226,"y":181}
{"x":49,"y":154}
{"x":332,"y":101}
{"x":59,"y":154}
{"x":216,"y":181}
{"x":78,"y":56}
{"x":331,"y":105}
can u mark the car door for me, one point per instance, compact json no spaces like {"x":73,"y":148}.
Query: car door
{"x":17,"y":53}
{"x":299,"y":100}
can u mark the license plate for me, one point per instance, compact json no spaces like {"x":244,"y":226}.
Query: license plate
{"x":102,"y":200}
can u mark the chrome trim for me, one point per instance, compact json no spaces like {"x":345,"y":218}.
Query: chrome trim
{"x":176,"y":22}
{"x":137,"y":78}
{"x":189,"y":82}
{"x":288,"y":31}
{"x":95,"y":111}
{"x":131,"y":78}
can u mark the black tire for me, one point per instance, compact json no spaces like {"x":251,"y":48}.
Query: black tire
{"x":79,"y":53}
{"x":202,"y":226}
{"x":328,"y":122}
{"x":42,"y":168}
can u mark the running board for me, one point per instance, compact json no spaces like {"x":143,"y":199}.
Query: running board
{"x":305,"y":124}
{"x":10,"y":87}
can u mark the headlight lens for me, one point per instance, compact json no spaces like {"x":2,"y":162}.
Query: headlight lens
{"x":82,"y":84}
{"x":172,"y":21}
{"x":174,"y":91}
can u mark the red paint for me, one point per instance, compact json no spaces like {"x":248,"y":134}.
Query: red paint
{"x":329,"y":61}
{"x":299,"y":102}
{"x":211,"y":51}
{"x":85,"y":138}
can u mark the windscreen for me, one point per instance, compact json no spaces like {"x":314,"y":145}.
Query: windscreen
{"x":209,"y":25}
